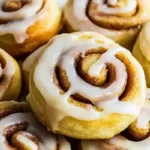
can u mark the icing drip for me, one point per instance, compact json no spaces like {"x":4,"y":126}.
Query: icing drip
{"x":122,"y":143}
{"x":8,"y":71}
{"x":61,"y":3}
{"x":142,"y":122}
{"x":80,"y":9}
{"x":68,"y":46}
{"x":112,"y":2}
{"x":79,"y":21}
{"x":23,"y":18}
{"x":47,"y":140}
{"x":129,"y":6}
{"x":144,"y":117}
{"x":95,"y":94}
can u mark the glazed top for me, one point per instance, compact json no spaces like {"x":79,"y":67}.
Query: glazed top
{"x":17,"y":22}
{"x":48,"y":141}
{"x":68,"y":46}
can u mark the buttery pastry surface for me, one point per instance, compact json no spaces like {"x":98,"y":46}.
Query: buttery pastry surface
{"x":33,"y":23}
{"x":139,"y":130}
{"x":20,"y":130}
{"x":96,"y":95}
{"x":120,"y":20}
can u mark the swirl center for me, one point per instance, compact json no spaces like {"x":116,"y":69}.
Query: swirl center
{"x":14,"y":5}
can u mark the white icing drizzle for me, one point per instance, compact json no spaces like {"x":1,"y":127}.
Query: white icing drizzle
{"x":95,"y":94}
{"x":75,"y":15}
{"x":68,"y":46}
{"x":29,"y":10}
{"x":80,"y":13}
{"x":23,"y":18}
{"x":112,"y":2}
{"x":8,"y":72}
{"x":47,"y":139}
{"x":120,"y":142}
{"x":129,"y":6}
{"x":145,"y":41}
{"x":144,"y":117}
{"x":61,"y":3}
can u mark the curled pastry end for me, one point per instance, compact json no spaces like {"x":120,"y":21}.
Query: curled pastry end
{"x":20,"y":130}
{"x":120,"y":20}
{"x":91,"y":82}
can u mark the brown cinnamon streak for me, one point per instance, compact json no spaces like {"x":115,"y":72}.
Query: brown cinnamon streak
{"x":12,"y":5}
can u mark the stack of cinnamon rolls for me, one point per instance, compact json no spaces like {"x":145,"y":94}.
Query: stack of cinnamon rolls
{"x":74,"y":75}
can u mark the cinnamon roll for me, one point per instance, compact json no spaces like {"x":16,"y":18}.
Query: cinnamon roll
{"x":27,"y":24}
{"x":120,"y":20}
{"x":141,"y":51}
{"x":10,"y":77}
{"x":85,"y":86}
{"x":139,"y":130}
{"x":19,"y":130}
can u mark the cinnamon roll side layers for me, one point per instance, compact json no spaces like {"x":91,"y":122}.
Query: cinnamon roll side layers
{"x":29,"y":26}
{"x":120,"y":20}
{"x":139,"y":130}
{"x":20,"y":130}
{"x":85,"y":86}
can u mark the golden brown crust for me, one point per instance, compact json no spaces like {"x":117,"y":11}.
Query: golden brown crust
{"x":19,"y":130}
{"x":138,"y":17}
{"x":102,"y":128}
{"x":38,"y":34}
{"x":123,"y":29}
{"x":137,"y":133}
{"x":7,"y":108}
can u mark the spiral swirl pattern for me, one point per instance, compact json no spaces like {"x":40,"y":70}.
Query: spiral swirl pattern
{"x":119,"y":20}
{"x":27,"y":15}
{"x":91,"y":75}
{"x":27,"y":24}
{"x":19,"y":130}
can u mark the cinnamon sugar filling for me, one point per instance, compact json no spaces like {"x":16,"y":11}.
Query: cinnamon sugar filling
{"x":108,"y":76}
{"x":92,"y":12}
